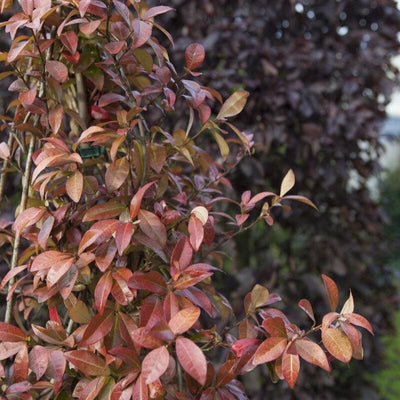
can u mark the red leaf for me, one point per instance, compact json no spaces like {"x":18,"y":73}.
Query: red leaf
{"x":241,"y":345}
{"x":194,"y":55}
{"x":188,"y":280}
{"x":45,"y":231}
{"x":105,"y":255}
{"x":89,"y":27}
{"x":16,"y":49}
{"x":170,"y":305}
{"x":21,"y":363}
{"x":152,"y":281}
{"x":140,"y":391}
{"x":123,"y":10}
{"x":98,"y":328}
{"x":312,"y":353}
{"x":137,"y":200}
{"x":153,"y":11}
{"x":38,"y":361}
{"x":92,"y":389}
{"x":152,"y":226}
{"x":18,"y":388}
{"x":99,"y":113}
{"x":144,"y":338}
{"x":204,"y":113}
{"x":27,"y":98}
{"x":109,"y":98}
{"x":11,"y":333}
{"x":53,"y":333}
{"x":302,"y":199}
{"x":58,"y":70}
{"x":74,"y":186}
{"x":142,"y":33}
{"x":192,"y":359}
{"x":8,"y":349}
{"x":126,"y":325}
{"x":181,"y":257}
{"x":359,"y":320}
{"x":151,"y":312}
{"x":337,"y":343}
{"x":305,"y":305}
{"x":116,"y":173}
{"x":110,"y":209}
{"x":275,"y":327}
{"x":199,"y":298}
{"x":127,"y":355}
{"x":353,"y":334}
{"x":87,"y":362}
{"x":53,"y":315}
{"x":73,"y":59}
{"x":196,"y":232}
{"x":329,"y":318}
{"x":290,"y":368}
{"x":98,"y":233}
{"x":70,"y":40}
{"x":226,"y":373}
{"x":58,"y":270}
{"x":120,"y":290}
{"x":115,"y":48}
{"x":155,"y":364}
{"x":47,"y":259}
{"x":102,"y":291}
{"x":123,"y":236}
{"x":171,"y":98}
{"x":27,"y":218}
{"x":183,"y":320}
{"x":56,"y":368}
{"x":270,"y":349}
{"x":83,"y":6}
{"x":241,"y":218}
{"x":332,"y":292}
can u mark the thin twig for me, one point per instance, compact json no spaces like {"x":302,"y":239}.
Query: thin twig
{"x":82,"y":99}
{"x":17,"y":239}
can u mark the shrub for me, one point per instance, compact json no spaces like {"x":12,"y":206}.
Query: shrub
{"x":120,"y":227}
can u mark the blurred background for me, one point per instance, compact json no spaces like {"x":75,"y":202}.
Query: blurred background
{"x":324,"y":101}
{"x":321,"y":76}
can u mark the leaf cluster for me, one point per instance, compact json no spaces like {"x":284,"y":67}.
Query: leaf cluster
{"x":119,"y":230}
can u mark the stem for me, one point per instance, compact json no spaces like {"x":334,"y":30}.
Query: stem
{"x":69,"y":327}
{"x":17,"y":240}
{"x":144,"y":160}
{"x":82,"y":100}
{"x":180,"y":381}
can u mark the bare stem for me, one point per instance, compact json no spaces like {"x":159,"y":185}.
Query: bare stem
{"x":17,"y":239}
{"x":82,"y":100}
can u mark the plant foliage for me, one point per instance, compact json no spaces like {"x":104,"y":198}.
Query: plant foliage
{"x":119,"y":228}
